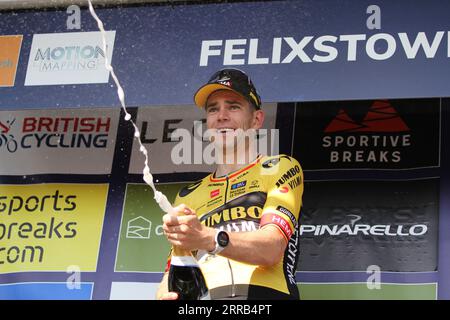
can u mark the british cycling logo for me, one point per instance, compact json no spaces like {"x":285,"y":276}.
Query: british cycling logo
{"x":7,"y":140}
{"x":35,"y":132}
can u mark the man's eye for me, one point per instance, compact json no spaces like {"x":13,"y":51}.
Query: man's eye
{"x":234,"y":107}
{"x":211,"y":110}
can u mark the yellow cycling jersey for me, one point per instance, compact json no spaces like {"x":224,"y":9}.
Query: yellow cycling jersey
{"x":266,"y":192}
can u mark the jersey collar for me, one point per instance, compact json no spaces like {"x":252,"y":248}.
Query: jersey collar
{"x":235,"y":173}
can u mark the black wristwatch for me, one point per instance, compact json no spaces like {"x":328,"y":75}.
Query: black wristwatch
{"x":222,"y":239}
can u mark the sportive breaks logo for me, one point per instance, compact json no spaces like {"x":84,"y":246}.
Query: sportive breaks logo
{"x":69,"y":58}
{"x":9,"y":57}
{"x":368,"y":134}
{"x":380,"y":137}
{"x":382,"y":117}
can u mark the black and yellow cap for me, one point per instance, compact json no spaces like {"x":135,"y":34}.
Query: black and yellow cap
{"x":228,"y":79}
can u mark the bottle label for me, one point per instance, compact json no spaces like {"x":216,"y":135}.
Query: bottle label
{"x":184,"y":261}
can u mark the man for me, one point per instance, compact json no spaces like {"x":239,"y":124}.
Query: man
{"x":241,"y":220}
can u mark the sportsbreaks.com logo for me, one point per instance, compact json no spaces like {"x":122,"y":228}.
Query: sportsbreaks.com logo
{"x":379,"y":138}
{"x":53,"y":132}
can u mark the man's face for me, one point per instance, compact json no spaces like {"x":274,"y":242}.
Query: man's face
{"x":227,"y":111}
{"x":229,"y":117}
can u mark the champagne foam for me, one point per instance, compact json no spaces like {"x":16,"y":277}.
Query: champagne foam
{"x":160,"y":198}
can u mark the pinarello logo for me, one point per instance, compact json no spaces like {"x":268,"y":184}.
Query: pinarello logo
{"x":214,"y":193}
{"x":352,"y":228}
{"x":283,"y":189}
{"x":382,"y":117}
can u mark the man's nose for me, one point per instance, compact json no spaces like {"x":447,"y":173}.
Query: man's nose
{"x":223,"y":114}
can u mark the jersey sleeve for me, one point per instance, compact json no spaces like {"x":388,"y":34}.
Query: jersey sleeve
{"x":284,"y":178}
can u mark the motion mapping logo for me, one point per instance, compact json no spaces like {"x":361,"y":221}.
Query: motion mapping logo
{"x":68,"y":58}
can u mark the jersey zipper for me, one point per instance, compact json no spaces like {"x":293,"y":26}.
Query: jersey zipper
{"x":233,"y":288}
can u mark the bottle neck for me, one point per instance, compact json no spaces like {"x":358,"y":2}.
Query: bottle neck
{"x":177,"y":251}
{"x":182,"y":258}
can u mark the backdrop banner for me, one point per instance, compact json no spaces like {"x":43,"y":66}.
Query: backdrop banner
{"x":358,"y":98}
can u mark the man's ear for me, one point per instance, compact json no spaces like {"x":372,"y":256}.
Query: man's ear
{"x":258,"y":119}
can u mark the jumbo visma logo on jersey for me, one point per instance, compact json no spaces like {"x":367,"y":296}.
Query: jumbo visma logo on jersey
{"x":237,"y":215}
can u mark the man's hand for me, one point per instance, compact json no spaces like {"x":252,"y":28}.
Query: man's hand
{"x":169,"y":296}
{"x":184,"y":230}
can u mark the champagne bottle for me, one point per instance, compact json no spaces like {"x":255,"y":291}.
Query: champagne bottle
{"x":186,"y":277}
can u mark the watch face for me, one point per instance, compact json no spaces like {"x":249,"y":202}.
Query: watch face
{"x":223,"y":239}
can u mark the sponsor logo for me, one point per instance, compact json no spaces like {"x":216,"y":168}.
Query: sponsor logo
{"x":7,"y":140}
{"x":5,"y":127}
{"x":239,"y":214}
{"x":241,"y":176}
{"x":291,"y":173}
{"x":54,"y":132}
{"x":214,"y":193}
{"x":241,"y":226}
{"x":292,"y":257}
{"x":9,"y":58}
{"x":238,"y":189}
{"x":379,"y":138}
{"x":288,"y":213}
{"x":382,"y":117}
{"x":273,"y":162}
{"x":218,"y":184}
{"x":354,"y":229}
{"x":223,"y":79}
{"x":68,"y":58}
{"x":380,"y":134}
{"x":254,"y":184}
{"x":283,"y":189}
{"x":225,"y":83}
{"x":139,"y":228}
{"x":190,"y":188}
{"x":213,"y":202}
{"x":56,"y":201}
{"x":276,"y":219}
{"x":66,"y":217}
{"x":238,"y":185}
{"x":230,"y":214}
